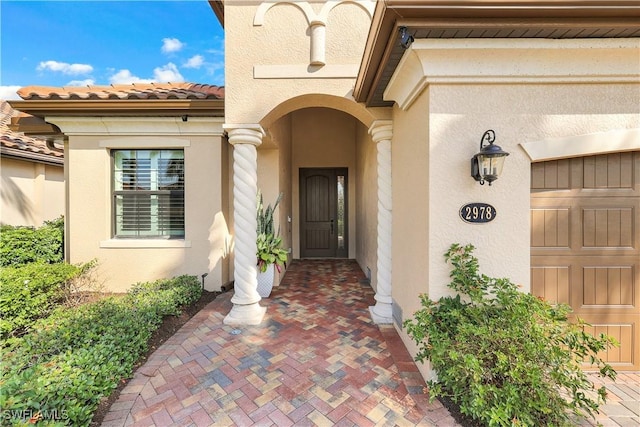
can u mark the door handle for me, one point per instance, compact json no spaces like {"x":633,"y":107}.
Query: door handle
{"x":332,"y":226}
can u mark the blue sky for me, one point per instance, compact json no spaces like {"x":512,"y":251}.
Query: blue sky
{"x":77,"y":43}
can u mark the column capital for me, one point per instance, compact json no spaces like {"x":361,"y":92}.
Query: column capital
{"x":381,"y":130}
{"x":244,"y":133}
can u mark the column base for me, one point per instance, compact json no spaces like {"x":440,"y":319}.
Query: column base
{"x":381,"y":313}
{"x":250,"y":314}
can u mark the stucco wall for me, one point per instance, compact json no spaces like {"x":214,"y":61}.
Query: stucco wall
{"x":431,"y":173}
{"x":366,"y":203}
{"x":31,"y":192}
{"x":267,"y":63}
{"x":281,"y":133}
{"x":269,"y":161}
{"x":550,"y":111}
{"x":122,"y":262}
{"x":411,"y":215}
{"x":447,"y":94}
{"x":285,"y":179}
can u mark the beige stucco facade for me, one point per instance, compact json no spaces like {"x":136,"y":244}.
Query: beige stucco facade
{"x":291,"y":70}
{"x":298,"y":90}
{"x":446,"y":94}
{"x":32,"y":192}
{"x":268,"y":58}
{"x":207,"y":244}
{"x":439,"y":126}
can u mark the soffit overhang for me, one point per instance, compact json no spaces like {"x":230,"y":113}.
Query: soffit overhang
{"x":124,"y":107}
{"x":34,"y":126}
{"x":33,"y":123}
{"x":218,"y":8}
{"x":17,"y":154}
{"x":555,"y":19}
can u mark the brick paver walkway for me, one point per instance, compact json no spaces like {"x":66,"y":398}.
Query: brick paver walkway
{"x":316,"y":359}
{"x":622,"y":408}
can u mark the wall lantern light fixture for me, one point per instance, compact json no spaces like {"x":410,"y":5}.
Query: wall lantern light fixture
{"x":487,"y":164}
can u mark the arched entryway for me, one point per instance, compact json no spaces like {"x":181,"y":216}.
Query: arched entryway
{"x":333,"y":162}
{"x":327,"y":173}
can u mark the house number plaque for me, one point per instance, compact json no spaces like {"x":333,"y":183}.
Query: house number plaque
{"x":477,"y":213}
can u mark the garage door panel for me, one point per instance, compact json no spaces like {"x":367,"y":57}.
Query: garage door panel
{"x":582,"y":226}
{"x":551,"y":283}
{"x":600,"y":284}
{"x":608,"y":287}
{"x":610,"y":227}
{"x":607,"y":171}
{"x":592,"y":285}
{"x":551,"y":175}
{"x":550,"y":227}
{"x":588,"y":176}
{"x":585,"y":244}
{"x":624,"y":329}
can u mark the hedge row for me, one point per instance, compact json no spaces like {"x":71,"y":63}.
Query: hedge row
{"x":22,"y":245}
{"x":30,"y":292}
{"x":59,"y":372}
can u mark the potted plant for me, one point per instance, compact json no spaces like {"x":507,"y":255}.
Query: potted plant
{"x":270,"y":254}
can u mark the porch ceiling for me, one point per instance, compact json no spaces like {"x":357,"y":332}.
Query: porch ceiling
{"x":555,"y":19}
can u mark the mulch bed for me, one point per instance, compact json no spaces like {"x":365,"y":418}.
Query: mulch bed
{"x":169,"y":326}
{"x":461,"y":418}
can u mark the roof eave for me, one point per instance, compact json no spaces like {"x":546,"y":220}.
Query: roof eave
{"x":218,"y":9}
{"x":17,"y":154}
{"x":379,"y":39}
{"x":124,"y":107}
{"x":392,"y":14}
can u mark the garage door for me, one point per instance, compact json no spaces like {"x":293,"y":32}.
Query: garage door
{"x":585,"y":244}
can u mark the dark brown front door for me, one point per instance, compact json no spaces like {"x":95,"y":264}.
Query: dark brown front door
{"x":323,"y":213}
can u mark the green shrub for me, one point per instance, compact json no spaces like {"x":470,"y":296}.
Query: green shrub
{"x":30,"y":292}
{"x":23,"y":245}
{"x":507,"y":358}
{"x":181,"y":290}
{"x":77,"y":356}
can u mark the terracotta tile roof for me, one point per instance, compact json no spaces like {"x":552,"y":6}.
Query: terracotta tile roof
{"x":145,"y":91}
{"x":18,"y":145}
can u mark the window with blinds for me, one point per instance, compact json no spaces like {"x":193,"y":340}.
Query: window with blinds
{"x":148,"y":195}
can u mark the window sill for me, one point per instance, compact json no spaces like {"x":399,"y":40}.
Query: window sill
{"x":145,"y":243}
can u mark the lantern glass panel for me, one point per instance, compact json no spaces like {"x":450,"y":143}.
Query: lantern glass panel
{"x":490,"y":165}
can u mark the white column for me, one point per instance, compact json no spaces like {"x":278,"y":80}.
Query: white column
{"x":246,"y":308}
{"x":381,"y":132}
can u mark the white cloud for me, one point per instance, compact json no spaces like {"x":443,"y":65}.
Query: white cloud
{"x":164,"y":74}
{"x":65,"y":68}
{"x":167,"y":73}
{"x":216,"y":72}
{"x":171,"y":45}
{"x":194,"y":62}
{"x":216,"y":52}
{"x":9,"y":92}
{"x":85,"y":82}
{"x":125,"y":77}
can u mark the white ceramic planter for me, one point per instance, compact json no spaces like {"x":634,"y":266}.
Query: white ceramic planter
{"x":265,"y":281}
